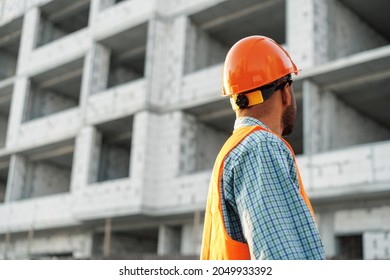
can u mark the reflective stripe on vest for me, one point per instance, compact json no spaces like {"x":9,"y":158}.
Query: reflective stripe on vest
{"x":217,"y":244}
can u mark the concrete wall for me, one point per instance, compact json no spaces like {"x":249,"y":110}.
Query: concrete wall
{"x":46,"y":102}
{"x":352,"y":127}
{"x":7,"y":65}
{"x":348,"y":33}
{"x":114,"y":162}
{"x":43,"y":179}
{"x":169,"y":240}
{"x":202,"y":49}
{"x":321,"y":30}
{"x":376,"y":245}
{"x":199,"y":145}
{"x":48,"y":32}
{"x":120,"y":74}
{"x":3,"y":129}
{"x":330,"y":123}
{"x":363,"y":219}
{"x":2,"y":191}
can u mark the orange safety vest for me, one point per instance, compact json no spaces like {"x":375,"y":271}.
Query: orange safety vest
{"x":217,"y":244}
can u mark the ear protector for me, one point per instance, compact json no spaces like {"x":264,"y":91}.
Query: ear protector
{"x":243,"y":101}
{"x":247,"y":99}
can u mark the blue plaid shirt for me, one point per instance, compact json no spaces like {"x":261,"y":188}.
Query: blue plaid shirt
{"x":261,"y":202}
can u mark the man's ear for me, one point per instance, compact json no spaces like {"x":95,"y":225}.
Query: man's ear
{"x":286,"y":94}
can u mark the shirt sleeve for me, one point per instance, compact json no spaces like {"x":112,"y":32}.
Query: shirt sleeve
{"x":275,"y":219}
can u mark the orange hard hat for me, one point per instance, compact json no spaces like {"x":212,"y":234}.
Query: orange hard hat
{"x":253,"y":62}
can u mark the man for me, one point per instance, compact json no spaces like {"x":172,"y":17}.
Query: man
{"x":257,"y":207}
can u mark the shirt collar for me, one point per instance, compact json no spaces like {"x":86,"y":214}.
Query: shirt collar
{"x":248,"y":121}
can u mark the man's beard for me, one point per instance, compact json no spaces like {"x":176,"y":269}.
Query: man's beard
{"x":288,"y":120}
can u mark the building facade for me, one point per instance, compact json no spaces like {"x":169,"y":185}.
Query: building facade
{"x":111,"y":118}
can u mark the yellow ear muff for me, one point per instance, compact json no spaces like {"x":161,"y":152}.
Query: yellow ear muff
{"x":247,"y":100}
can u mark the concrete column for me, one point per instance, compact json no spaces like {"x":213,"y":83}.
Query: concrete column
{"x":16,"y":184}
{"x":201,"y":49}
{"x":329,"y":120}
{"x":191,"y":236}
{"x":139,"y":146}
{"x":29,"y":37}
{"x":312,"y":123}
{"x":7,"y":241}
{"x":168,"y":240}
{"x":327,"y":232}
{"x":101,"y":68}
{"x":18,"y":103}
{"x":154,"y":150}
{"x":85,"y":158}
{"x":98,"y":58}
{"x":307,"y":31}
{"x":30,"y":240}
{"x":21,"y":87}
{"x":86,"y":81}
{"x":107,"y":238}
{"x":165,"y":58}
{"x":96,"y":62}
{"x":187,"y":240}
{"x":95,"y":7}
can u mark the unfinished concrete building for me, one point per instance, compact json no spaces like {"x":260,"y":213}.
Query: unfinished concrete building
{"x":111,"y":118}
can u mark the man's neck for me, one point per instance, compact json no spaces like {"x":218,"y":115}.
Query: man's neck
{"x":271,"y":120}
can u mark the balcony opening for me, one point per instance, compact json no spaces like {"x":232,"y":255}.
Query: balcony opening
{"x":350,"y":247}
{"x":211,"y":32}
{"x":4,"y":168}
{"x":129,"y":244}
{"x":204,"y":130}
{"x":365,"y":100}
{"x":60,"y":18}
{"x":356,"y":26}
{"x":127,"y":55}
{"x":10,"y":34}
{"x":5,"y":105}
{"x":48,"y":171}
{"x":115,"y":149}
{"x":54,"y":90}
